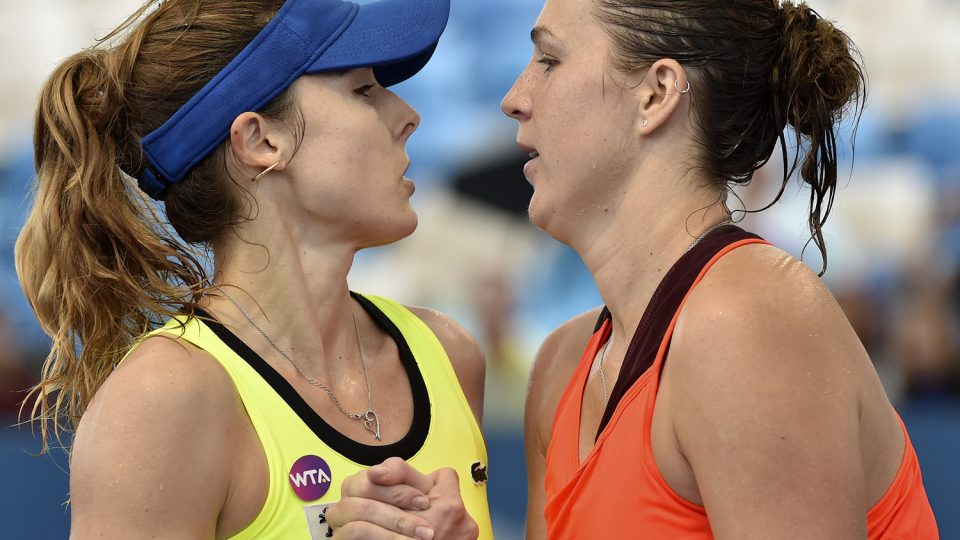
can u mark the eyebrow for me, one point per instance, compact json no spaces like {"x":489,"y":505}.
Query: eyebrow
{"x":539,"y":33}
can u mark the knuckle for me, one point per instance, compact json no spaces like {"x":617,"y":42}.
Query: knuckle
{"x":473,"y":528}
{"x":394,"y":463}
{"x":451,"y":473}
{"x":398,"y":498}
{"x":333,"y":514}
{"x":363,"y":507}
{"x":363,"y":485}
{"x":400,"y":524}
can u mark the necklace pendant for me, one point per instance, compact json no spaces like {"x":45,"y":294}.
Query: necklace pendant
{"x":372,"y":422}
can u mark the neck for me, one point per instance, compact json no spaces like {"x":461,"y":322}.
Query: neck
{"x":631,"y":249}
{"x":296,"y":291}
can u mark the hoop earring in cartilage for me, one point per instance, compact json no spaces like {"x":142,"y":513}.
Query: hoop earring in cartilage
{"x":676,"y":84}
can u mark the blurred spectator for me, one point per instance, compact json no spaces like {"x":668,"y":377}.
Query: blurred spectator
{"x":923,"y":344}
{"x":508,"y":364}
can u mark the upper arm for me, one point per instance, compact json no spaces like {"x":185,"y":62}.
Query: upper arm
{"x":555,"y":362}
{"x":765,"y":406}
{"x":464,"y":352}
{"x":150,"y":457}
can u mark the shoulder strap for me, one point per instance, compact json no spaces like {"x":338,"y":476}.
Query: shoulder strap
{"x":663,"y":305}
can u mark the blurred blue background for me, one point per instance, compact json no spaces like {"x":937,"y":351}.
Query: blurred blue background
{"x":893,"y":239}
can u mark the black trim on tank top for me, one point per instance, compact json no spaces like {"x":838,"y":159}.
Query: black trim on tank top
{"x":664,"y":303}
{"x":364,"y":454}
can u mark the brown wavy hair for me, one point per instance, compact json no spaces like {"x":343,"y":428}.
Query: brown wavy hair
{"x":95,"y":258}
{"x":755,"y":67}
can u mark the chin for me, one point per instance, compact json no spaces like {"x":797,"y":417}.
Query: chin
{"x":411,"y":226}
{"x":550,"y":222}
{"x":396,"y":231}
{"x":537,"y":213}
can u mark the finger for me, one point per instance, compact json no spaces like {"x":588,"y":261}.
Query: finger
{"x":395,"y":471}
{"x":446,"y":480}
{"x":361,"y":530}
{"x":400,"y":495}
{"x":350,"y":510}
{"x":447,"y":511}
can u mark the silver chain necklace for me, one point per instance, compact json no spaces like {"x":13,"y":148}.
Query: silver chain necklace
{"x":603,"y":377}
{"x":370,"y":419}
{"x":603,"y":354}
{"x":705,"y":233}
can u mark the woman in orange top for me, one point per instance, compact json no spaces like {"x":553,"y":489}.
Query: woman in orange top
{"x":723,"y":393}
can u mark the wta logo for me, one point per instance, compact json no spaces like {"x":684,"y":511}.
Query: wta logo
{"x":310,"y":478}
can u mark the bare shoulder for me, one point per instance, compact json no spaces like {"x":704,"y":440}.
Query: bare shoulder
{"x":555,"y":362}
{"x":562,"y":348}
{"x":464,"y":352}
{"x":766,"y":376}
{"x":760,"y":294}
{"x":453,"y":336}
{"x":759,"y":312}
{"x":162,"y":419}
{"x":160,"y":383}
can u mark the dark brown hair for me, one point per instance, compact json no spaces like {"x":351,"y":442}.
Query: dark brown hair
{"x":755,"y":66}
{"x":98,"y":264}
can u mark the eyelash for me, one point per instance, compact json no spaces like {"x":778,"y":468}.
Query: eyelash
{"x":550,"y":63}
{"x":364,"y":89}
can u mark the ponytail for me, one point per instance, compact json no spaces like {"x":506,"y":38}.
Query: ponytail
{"x":94,"y":260}
{"x":817,"y":80}
{"x":98,"y":264}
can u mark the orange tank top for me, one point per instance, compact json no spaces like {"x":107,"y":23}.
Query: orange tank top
{"x":618,"y":492}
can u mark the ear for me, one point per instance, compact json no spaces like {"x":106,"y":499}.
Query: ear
{"x":663,"y":90}
{"x":258,"y":143}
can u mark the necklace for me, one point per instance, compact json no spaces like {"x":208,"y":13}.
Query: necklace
{"x":603,"y":377}
{"x":606,"y":346}
{"x":370,"y":419}
{"x":705,"y":233}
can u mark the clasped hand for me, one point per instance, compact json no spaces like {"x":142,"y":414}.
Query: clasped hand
{"x":395,"y":501}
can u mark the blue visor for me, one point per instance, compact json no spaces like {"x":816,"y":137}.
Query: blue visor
{"x":394,"y":37}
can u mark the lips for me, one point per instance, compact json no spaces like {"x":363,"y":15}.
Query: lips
{"x":406,"y":180}
{"x":534,"y":158}
{"x":530,"y":166}
{"x":409,"y":183}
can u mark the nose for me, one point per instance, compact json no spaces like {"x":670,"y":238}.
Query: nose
{"x":408,"y":120}
{"x":516,"y":104}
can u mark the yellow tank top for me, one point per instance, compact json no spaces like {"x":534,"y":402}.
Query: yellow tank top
{"x":307,"y":459}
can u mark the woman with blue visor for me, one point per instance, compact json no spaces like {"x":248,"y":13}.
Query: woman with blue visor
{"x":233,"y":402}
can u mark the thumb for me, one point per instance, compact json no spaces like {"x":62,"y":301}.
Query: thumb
{"x":396,"y":471}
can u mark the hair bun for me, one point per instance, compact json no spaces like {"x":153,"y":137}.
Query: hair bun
{"x":817,"y":69}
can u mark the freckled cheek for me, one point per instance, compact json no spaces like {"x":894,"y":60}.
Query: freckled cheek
{"x":577,"y":125}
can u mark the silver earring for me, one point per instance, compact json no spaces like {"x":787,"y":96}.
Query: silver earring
{"x":644,"y":123}
{"x":268,"y":169}
{"x":676,"y":84}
